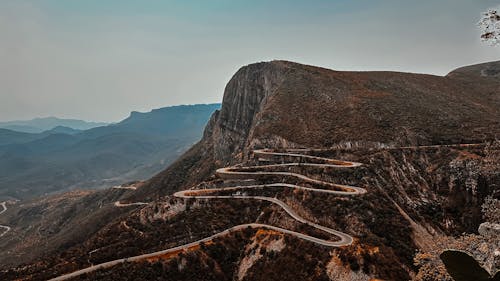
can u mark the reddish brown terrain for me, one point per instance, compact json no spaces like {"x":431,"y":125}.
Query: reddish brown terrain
{"x":408,"y":130}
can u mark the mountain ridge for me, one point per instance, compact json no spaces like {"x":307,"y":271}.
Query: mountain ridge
{"x":38,"y":125}
{"x":486,"y":69}
{"x":61,"y":159}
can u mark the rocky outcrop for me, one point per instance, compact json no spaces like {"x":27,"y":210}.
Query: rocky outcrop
{"x":244,"y":97}
{"x":490,"y":229}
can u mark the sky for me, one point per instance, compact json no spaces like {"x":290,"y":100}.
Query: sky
{"x":98,"y":60}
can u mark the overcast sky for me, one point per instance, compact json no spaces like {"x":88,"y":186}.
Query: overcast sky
{"x":98,"y":60}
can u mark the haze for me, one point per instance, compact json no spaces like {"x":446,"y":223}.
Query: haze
{"x":99,"y":60}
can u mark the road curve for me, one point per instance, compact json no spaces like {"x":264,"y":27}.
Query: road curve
{"x":181,"y":248}
{"x":6,"y":228}
{"x":240,"y":173}
{"x":267,"y":154}
{"x":345,"y":239}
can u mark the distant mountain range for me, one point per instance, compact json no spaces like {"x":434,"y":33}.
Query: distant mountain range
{"x":65,"y":158}
{"x":15,"y":137}
{"x":39,"y":125}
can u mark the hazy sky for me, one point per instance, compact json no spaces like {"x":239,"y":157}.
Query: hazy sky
{"x":98,"y":60}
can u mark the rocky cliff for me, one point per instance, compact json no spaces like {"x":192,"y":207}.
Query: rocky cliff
{"x":244,"y":97}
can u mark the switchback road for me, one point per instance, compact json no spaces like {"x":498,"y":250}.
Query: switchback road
{"x":6,"y":228}
{"x":295,"y":157}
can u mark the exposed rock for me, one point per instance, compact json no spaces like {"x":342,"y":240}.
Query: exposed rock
{"x":261,"y":242}
{"x":337,"y":272}
{"x":490,"y":230}
{"x":244,"y":96}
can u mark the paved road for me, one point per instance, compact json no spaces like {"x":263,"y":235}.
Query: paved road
{"x":240,"y":173}
{"x":6,"y":228}
{"x":118,"y":204}
{"x":344,"y":240}
{"x":181,"y":248}
{"x":128,"y":187}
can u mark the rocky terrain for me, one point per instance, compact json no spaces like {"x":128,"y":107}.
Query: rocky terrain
{"x":409,"y":130}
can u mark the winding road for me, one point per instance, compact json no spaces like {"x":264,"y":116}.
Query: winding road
{"x":295,"y":157}
{"x":6,"y":228}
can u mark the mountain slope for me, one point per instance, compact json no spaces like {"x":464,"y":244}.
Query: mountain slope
{"x":488,"y":70}
{"x":414,"y":194}
{"x":163,"y":121}
{"x":63,"y":130}
{"x":12,"y":137}
{"x":135,"y":148}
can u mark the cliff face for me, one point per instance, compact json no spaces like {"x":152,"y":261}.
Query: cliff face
{"x":244,"y":97}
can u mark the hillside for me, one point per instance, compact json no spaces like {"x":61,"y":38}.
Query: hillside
{"x":39,"y":125}
{"x":485,"y":71}
{"x":12,"y":137}
{"x":63,"y":130}
{"x":64,"y":159}
{"x":428,"y":158}
{"x":188,"y":119}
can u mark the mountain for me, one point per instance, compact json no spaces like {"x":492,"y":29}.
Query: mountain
{"x":63,"y":130}
{"x":8,"y":137}
{"x":429,"y":153}
{"x":39,"y":125}
{"x":12,"y":137}
{"x":23,"y":129}
{"x":163,"y":121}
{"x":64,"y":158}
{"x":485,"y":71}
